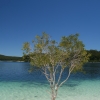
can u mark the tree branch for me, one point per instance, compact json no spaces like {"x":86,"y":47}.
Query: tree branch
{"x":65,"y":80}
{"x":46,"y":75}
{"x":59,"y":76}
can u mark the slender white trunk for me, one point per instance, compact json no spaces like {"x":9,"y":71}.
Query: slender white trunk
{"x":53,"y":86}
{"x":53,"y":93}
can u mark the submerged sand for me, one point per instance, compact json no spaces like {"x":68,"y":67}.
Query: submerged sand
{"x":85,"y":90}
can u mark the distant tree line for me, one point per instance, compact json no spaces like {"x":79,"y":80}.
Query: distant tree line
{"x":95,"y":55}
{"x":10,"y":58}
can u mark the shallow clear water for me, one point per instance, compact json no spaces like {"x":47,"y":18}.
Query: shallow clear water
{"x":17,"y":84}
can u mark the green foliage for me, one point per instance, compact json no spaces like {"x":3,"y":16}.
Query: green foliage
{"x":10,"y":58}
{"x":26,"y":58}
{"x":46,"y":52}
{"x":75,"y":51}
{"x":26,"y":47}
{"x":95,"y":55}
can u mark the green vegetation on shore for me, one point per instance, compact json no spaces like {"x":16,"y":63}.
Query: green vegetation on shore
{"x":10,"y":58}
{"x":95,"y":55}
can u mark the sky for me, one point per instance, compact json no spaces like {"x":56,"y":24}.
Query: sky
{"x":22,"y":20}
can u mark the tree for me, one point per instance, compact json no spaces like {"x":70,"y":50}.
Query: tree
{"x":53,"y":58}
{"x":95,"y":55}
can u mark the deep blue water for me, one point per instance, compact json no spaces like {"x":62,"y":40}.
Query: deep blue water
{"x":18,"y":71}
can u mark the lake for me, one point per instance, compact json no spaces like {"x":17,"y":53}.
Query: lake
{"x":16,"y":83}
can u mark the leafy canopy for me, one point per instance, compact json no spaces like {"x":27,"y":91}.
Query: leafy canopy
{"x":69,"y":52}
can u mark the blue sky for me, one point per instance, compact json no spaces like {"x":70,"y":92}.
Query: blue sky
{"x":22,"y":20}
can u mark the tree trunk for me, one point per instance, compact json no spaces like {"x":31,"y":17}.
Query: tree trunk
{"x":53,"y":87}
{"x":53,"y":97}
{"x":53,"y":94}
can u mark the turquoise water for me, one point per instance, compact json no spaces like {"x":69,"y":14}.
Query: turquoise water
{"x":17,"y":84}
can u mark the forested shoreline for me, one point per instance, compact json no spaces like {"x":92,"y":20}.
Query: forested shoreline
{"x":95,"y":57}
{"x":10,"y":58}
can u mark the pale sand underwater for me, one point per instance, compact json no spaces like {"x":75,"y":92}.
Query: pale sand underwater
{"x":73,"y":90}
